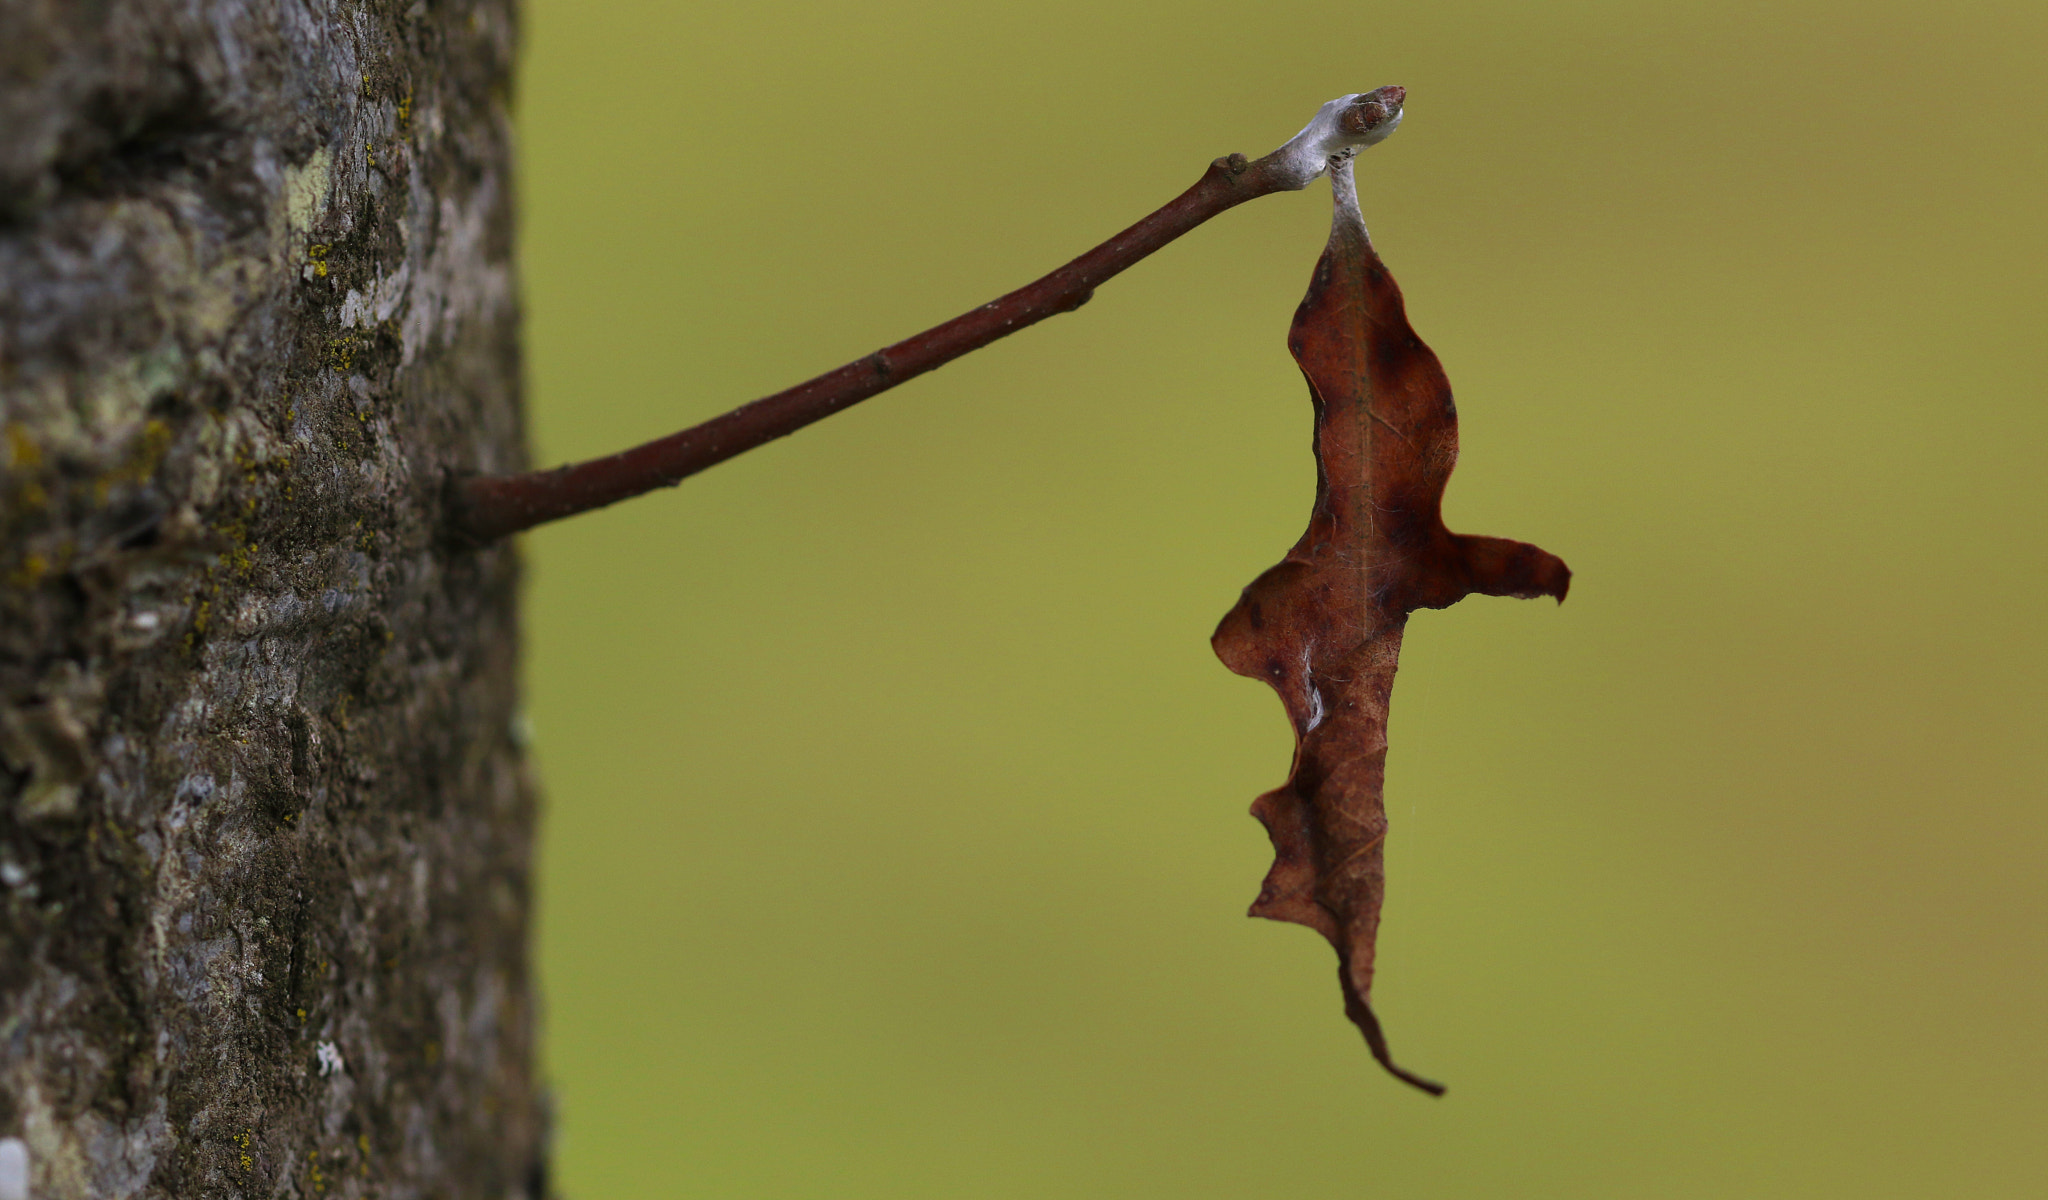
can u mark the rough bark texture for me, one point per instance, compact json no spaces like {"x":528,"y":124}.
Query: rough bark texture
{"x":264,"y":817}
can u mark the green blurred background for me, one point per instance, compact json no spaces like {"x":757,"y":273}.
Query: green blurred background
{"x":896,"y":840}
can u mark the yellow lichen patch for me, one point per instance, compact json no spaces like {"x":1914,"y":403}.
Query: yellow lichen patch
{"x":31,"y":571}
{"x":23,"y":455}
{"x":240,"y":555}
{"x":143,"y":459}
{"x":35,"y":566}
{"x":150,"y":448}
{"x":341,"y":352}
{"x":316,"y":254}
{"x":29,"y":496}
{"x":22,"y":452}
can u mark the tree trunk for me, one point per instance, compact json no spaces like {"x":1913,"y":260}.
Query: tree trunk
{"x":265,"y":821}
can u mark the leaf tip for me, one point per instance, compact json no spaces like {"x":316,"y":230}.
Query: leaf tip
{"x":1361,"y":1015}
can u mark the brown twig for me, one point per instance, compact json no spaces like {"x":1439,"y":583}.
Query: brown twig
{"x":486,"y":508}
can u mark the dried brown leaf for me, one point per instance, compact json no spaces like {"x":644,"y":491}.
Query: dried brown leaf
{"x":1324,"y":626}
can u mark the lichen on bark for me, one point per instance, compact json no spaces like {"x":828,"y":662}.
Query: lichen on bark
{"x":265,"y":821}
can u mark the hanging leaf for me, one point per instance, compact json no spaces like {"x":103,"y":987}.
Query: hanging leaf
{"x":1324,"y":626}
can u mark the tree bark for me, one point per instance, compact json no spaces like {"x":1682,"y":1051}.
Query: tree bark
{"x":265,"y":820}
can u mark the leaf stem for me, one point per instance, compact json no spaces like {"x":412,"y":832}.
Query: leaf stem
{"x":485,"y":508}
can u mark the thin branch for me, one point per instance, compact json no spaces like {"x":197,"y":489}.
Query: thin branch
{"x":485,"y":508}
